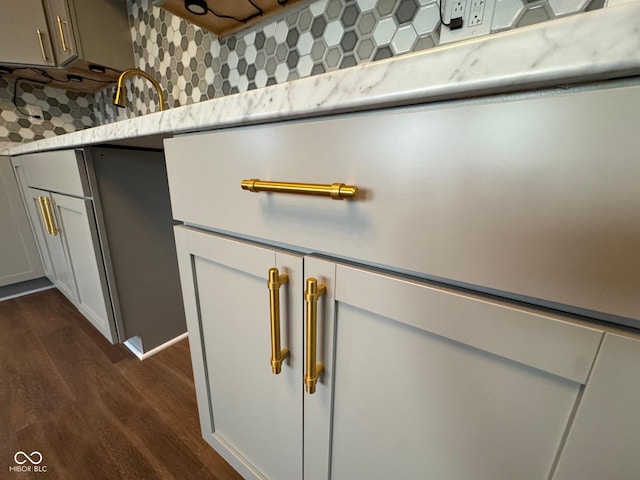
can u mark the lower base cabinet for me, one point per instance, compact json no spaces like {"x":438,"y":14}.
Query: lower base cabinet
{"x":102,"y":222}
{"x":417,"y":381}
{"x":65,"y":229}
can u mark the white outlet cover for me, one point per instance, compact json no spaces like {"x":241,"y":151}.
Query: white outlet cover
{"x":448,"y":36}
{"x":35,"y":113}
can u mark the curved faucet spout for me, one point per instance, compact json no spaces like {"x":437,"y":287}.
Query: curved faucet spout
{"x":120,"y":97}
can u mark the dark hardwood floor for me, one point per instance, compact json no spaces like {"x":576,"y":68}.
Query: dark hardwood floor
{"x":92,"y":409}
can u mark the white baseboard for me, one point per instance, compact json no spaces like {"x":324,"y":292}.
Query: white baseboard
{"x":28,"y":292}
{"x":144,"y":355}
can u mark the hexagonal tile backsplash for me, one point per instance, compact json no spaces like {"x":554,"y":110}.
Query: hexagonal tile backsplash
{"x":62,"y":112}
{"x":193,"y":65}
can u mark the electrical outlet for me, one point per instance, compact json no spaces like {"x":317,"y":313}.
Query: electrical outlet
{"x":476,"y":19}
{"x":477,"y":13}
{"x":458,"y":8}
{"x":35,"y":113}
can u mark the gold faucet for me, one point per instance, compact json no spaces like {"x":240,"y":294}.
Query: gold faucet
{"x":120,"y":97}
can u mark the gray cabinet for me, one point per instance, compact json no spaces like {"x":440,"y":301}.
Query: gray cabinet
{"x":419,"y":379}
{"x":66,"y":33}
{"x":19,"y":259}
{"x":24,"y":34}
{"x":390,"y":349}
{"x":68,"y":240}
{"x":103,"y":225}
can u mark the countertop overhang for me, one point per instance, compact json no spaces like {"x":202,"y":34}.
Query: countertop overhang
{"x":593,"y":46}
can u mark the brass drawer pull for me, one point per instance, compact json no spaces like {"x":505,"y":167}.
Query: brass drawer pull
{"x":45,"y":215}
{"x":51,"y":218}
{"x":337,"y":191}
{"x":44,"y":55}
{"x":61,"y":31}
{"x":312,"y":370}
{"x":277,"y":355}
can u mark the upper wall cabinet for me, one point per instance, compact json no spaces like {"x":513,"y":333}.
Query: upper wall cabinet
{"x":86,"y":38}
{"x":24,"y":34}
{"x":224,"y":17}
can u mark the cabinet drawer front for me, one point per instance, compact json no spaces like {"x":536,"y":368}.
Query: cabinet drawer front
{"x":544,"y":342}
{"x":534,"y":198}
{"x":61,"y":172}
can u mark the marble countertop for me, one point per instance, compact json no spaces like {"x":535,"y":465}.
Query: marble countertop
{"x":599,"y":45}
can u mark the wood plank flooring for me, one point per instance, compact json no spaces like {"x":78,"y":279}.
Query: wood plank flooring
{"x":93,"y":409}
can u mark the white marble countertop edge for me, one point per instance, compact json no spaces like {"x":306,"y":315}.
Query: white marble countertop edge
{"x":567,"y":50}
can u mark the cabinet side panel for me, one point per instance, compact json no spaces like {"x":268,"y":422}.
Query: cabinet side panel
{"x":136,"y":224}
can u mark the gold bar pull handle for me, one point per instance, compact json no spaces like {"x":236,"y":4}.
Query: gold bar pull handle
{"x":277,"y":354}
{"x":61,"y":31}
{"x":312,"y":370}
{"x":45,"y":216}
{"x":52,"y":220}
{"x":44,"y":54}
{"x":337,"y":191}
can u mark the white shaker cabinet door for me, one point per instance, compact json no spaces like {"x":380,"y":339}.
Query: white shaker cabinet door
{"x":48,"y":232}
{"x":19,"y":259}
{"x":38,"y":222}
{"x":76,"y":223}
{"x":421,"y":382}
{"x":252,"y":417}
{"x":603,"y":441}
